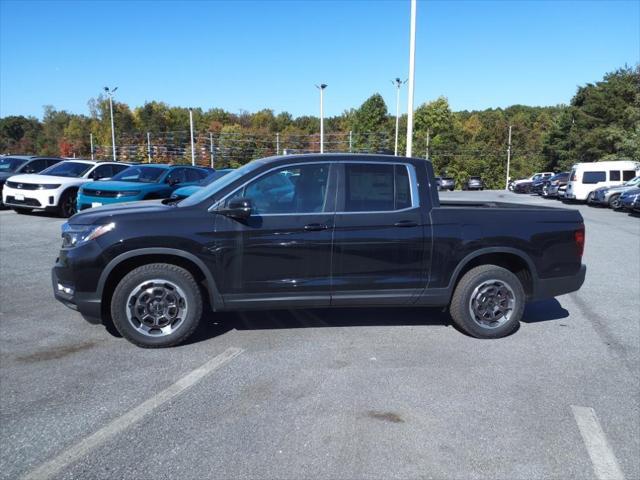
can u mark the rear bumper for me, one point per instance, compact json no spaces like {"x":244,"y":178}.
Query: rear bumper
{"x":553,"y":287}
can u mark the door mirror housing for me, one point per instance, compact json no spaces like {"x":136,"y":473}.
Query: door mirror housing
{"x":238,"y":208}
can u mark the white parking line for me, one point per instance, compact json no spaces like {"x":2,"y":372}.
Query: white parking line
{"x":605,"y":464}
{"x":84,"y":446}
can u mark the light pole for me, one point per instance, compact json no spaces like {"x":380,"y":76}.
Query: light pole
{"x":412,"y":61}
{"x":321,"y":87}
{"x":398,"y":83}
{"x":193,"y":147}
{"x":113,"y":132}
{"x":506,"y":187}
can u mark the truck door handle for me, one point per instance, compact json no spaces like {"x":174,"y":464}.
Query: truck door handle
{"x":315,"y":227}
{"x":405,"y":223}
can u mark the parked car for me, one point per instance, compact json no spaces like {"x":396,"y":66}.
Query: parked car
{"x":447,"y":183}
{"x":527,"y":185}
{"x":139,"y":182}
{"x":351,"y":230}
{"x":610,"y":196}
{"x":55,"y":188}
{"x":539,"y":183}
{"x":586,"y":177}
{"x":15,"y":164}
{"x":473,"y":183}
{"x":630,"y":200}
{"x":513,"y":183}
{"x":562,"y":191}
{"x":184,"y":192}
{"x":553,"y":184}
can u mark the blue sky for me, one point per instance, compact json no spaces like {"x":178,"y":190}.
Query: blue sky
{"x":253,"y":55}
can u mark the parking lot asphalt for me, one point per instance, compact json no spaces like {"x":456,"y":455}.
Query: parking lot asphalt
{"x":353,"y":393}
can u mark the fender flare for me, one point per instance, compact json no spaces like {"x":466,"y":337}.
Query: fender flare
{"x":483,"y":251}
{"x":214,"y":294}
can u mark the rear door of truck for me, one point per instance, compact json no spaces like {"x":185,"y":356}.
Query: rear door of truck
{"x":381,"y":242}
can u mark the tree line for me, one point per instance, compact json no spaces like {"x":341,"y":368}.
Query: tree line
{"x":601,"y":122}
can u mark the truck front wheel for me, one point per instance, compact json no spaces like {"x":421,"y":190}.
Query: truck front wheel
{"x":488,"y":302}
{"x":157,"y":305}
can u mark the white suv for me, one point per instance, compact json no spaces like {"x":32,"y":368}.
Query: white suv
{"x":55,"y":188}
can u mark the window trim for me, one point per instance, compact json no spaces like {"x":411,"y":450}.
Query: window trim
{"x":413,"y":187}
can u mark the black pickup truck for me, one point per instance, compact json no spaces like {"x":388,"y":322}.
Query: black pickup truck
{"x":303,"y":231}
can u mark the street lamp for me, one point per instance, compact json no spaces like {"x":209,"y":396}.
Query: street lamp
{"x":113,"y":132}
{"x":321,"y":87}
{"x":398,"y":83}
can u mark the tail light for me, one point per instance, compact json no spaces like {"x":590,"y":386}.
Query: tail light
{"x":578,"y":236}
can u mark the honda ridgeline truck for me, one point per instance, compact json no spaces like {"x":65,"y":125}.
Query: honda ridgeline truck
{"x":302,"y":231}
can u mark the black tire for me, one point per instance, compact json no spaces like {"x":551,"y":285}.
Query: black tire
{"x":614,"y":201}
{"x":22,"y":211}
{"x":590,"y":198}
{"x":461,"y":302}
{"x":68,"y":203}
{"x":182,"y":283}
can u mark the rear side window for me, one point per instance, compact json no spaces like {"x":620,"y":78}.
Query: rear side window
{"x":628,"y":174}
{"x":195,"y":175}
{"x":594,"y":177}
{"x":119,"y":168}
{"x":376,"y":188}
{"x":35,"y":166}
{"x":614,"y":175}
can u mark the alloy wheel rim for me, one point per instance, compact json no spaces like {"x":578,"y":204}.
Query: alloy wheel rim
{"x":69,"y":205}
{"x":156,"y":308}
{"x":492,"y":303}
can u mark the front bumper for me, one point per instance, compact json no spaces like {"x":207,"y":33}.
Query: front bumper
{"x":86,"y":201}
{"x":74,"y":280}
{"x":14,"y":197}
{"x":553,"y":287}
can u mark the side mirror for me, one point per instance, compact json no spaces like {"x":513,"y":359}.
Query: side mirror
{"x":238,"y":208}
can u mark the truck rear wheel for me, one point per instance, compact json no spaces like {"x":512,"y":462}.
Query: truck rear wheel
{"x":488,"y":302}
{"x":157,"y":305}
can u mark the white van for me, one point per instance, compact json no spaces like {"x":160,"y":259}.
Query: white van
{"x":586,"y":177}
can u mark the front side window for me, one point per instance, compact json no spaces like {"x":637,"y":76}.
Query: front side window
{"x":195,"y":175}
{"x":628,"y":174}
{"x":292,"y":189}
{"x":35,"y":166}
{"x":376,"y":188}
{"x":594,"y":177}
{"x":177,"y":175}
{"x":614,"y":175}
{"x":103,"y":171}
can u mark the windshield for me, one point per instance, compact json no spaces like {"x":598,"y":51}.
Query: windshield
{"x":68,"y":169}
{"x":140,"y":174}
{"x":218,"y":184}
{"x":10,"y":164}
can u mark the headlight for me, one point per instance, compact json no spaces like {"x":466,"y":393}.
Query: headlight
{"x":76,"y":235}
{"x":128,"y":193}
{"x":48,"y":186}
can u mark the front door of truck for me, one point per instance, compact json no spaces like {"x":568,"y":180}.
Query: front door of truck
{"x":281,"y":254}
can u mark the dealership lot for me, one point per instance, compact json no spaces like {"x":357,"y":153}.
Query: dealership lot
{"x":354,"y":393}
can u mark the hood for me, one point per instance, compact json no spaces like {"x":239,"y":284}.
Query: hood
{"x":188,"y":190}
{"x":116,"y":186}
{"x":106,"y":213}
{"x":37,"y":178}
